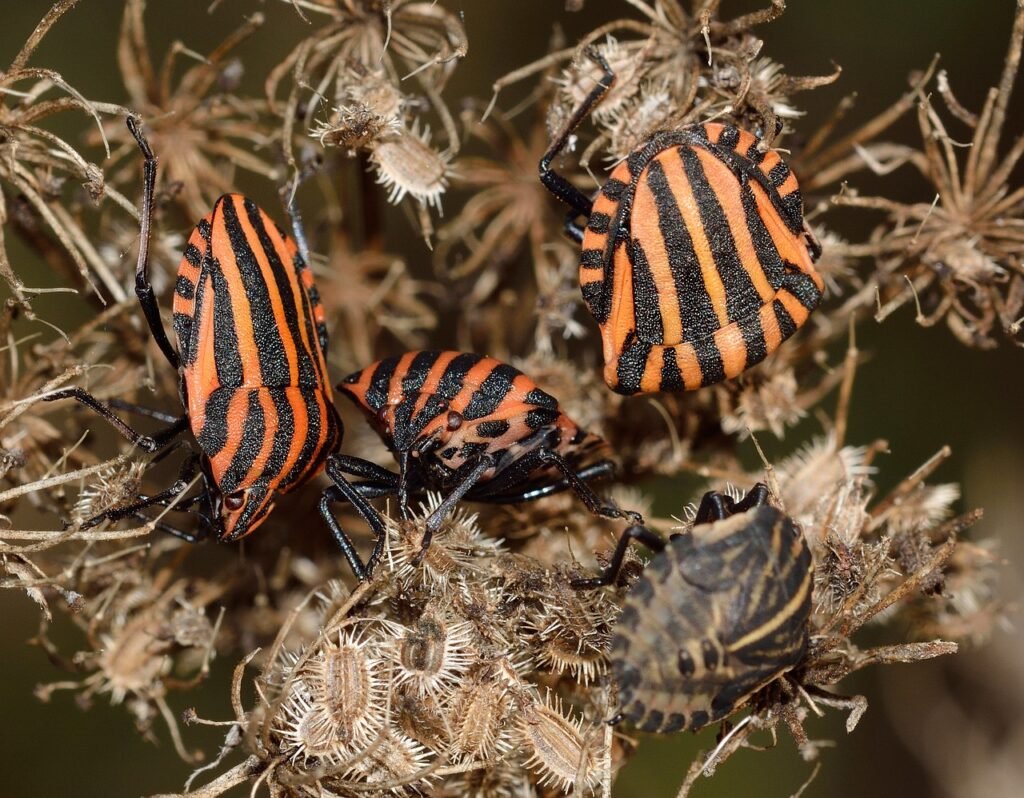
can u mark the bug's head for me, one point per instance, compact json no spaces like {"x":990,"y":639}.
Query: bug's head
{"x":238,"y":513}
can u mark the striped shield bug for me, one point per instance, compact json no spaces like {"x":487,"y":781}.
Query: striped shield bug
{"x":253,"y":378}
{"x":696,"y":261}
{"x":716,"y":615}
{"x":473,"y":427}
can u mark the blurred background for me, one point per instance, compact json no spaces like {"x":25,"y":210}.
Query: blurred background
{"x":945,"y":728}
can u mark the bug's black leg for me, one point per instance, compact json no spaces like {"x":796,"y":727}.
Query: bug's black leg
{"x":159,"y":415}
{"x":713,"y":507}
{"x":572,"y":228}
{"x":554,"y":182}
{"x":188,"y":470}
{"x":148,"y":443}
{"x":364,"y":469}
{"x":403,"y":486}
{"x":342,"y":489}
{"x":755,"y":497}
{"x":143,"y":288}
{"x":470,"y":477}
{"x":373,"y":490}
{"x":584,"y":491}
{"x":598,"y":470}
{"x":650,"y":539}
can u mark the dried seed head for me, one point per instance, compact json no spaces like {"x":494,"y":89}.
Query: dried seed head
{"x":810,"y":475}
{"x":767,"y":400}
{"x":407,"y":164}
{"x":353,"y":128}
{"x":112,"y":487}
{"x":336,"y":699}
{"x":433,"y":653}
{"x":420,"y":717}
{"x":479,"y":709}
{"x":925,"y":507}
{"x":456,"y":547}
{"x":573,"y":630}
{"x":560,"y":752}
{"x":393,"y":758}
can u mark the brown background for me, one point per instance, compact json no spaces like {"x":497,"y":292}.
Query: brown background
{"x":930,"y":727}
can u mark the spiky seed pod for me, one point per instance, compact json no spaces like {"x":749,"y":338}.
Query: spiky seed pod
{"x":479,"y":709}
{"x":393,"y":758}
{"x":112,"y":487}
{"x":407,"y":164}
{"x":433,"y":652}
{"x":573,"y":631}
{"x":420,"y":716}
{"x":336,"y":700}
{"x":562,"y":754}
{"x":456,"y":548}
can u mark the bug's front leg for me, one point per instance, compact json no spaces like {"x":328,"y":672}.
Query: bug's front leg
{"x":593,"y":502}
{"x":649,"y":538}
{"x":469,"y":478}
{"x":341,"y":490}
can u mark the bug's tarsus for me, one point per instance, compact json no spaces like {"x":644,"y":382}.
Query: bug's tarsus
{"x":552,"y":180}
{"x":148,"y":443}
{"x":715,"y":506}
{"x":649,"y":538}
{"x":756,"y":496}
{"x":143,"y":288}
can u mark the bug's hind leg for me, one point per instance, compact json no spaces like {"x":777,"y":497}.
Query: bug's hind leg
{"x":554,"y":182}
{"x":650,"y":539}
{"x":143,"y":288}
{"x":585,"y":492}
{"x":148,"y":443}
{"x":343,"y":490}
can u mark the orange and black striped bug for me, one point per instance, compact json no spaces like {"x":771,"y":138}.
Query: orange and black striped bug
{"x":696,"y":261}
{"x":252,"y":374}
{"x":716,"y":615}
{"x":473,"y":427}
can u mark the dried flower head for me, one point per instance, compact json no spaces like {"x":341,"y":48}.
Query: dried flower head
{"x":35,"y":165}
{"x":200,"y":128}
{"x":958,"y":256}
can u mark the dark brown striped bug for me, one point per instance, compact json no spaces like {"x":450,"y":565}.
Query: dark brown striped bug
{"x":252,"y":374}
{"x":716,"y":615}
{"x":473,"y":427}
{"x":696,"y":261}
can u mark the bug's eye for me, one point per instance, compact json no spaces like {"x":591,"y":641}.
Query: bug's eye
{"x":454,"y":421}
{"x":234,"y":502}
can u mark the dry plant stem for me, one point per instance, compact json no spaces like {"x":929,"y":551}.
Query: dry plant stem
{"x":813,"y":163}
{"x":239,"y":774}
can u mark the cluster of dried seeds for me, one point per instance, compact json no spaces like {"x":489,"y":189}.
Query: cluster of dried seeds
{"x":480,"y":670}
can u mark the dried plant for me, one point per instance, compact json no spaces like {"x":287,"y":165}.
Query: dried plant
{"x":346,"y":87}
{"x":34,"y":166}
{"x":958,"y":254}
{"x":479,"y":671}
{"x":196,"y":120}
